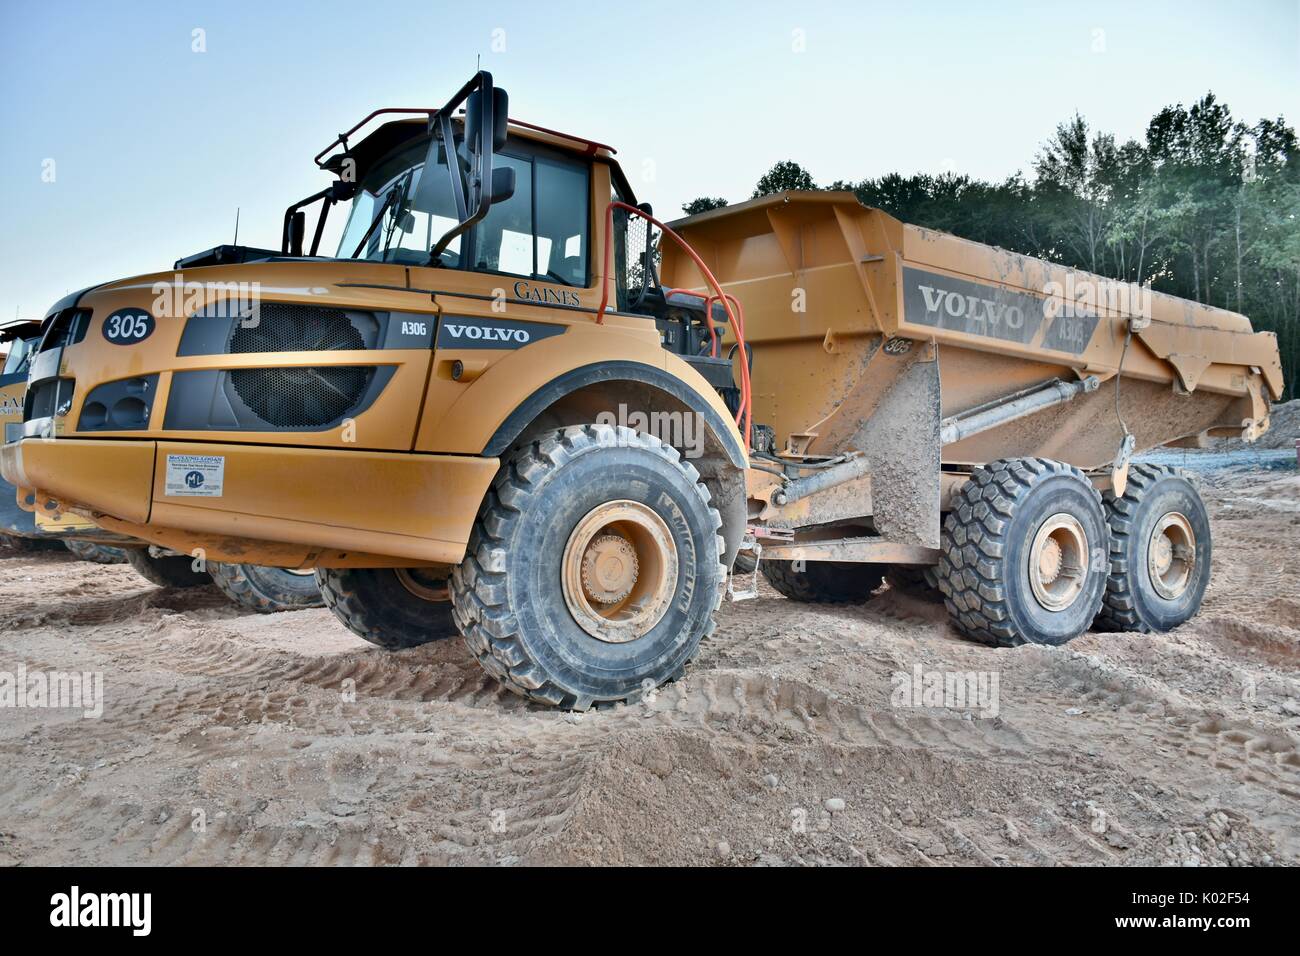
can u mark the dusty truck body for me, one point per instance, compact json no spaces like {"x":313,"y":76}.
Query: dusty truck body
{"x":452,"y":419}
{"x":894,"y":363}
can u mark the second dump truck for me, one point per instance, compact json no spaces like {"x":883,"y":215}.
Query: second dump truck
{"x":503,"y":409}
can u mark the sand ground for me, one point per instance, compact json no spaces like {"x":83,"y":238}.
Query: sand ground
{"x":232,"y":738}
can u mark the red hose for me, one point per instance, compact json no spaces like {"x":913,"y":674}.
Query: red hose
{"x":737,"y":325}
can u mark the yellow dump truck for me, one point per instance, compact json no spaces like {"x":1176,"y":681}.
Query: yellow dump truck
{"x":514,"y":405}
{"x":22,"y":526}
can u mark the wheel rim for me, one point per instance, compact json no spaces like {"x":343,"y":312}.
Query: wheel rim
{"x":296,"y":572}
{"x":1171,"y":555}
{"x":423,"y":583}
{"x":619,"y":571}
{"x":1058,"y":562}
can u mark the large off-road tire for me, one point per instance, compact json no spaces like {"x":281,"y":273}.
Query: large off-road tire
{"x":1160,"y":552}
{"x":745,"y":563}
{"x":15,"y":543}
{"x":824,"y":582}
{"x":594,"y":569}
{"x":265,"y":590}
{"x":168,"y":571}
{"x":392,"y":608}
{"x":95,"y":553}
{"x":918,"y":581}
{"x":1024,"y":553}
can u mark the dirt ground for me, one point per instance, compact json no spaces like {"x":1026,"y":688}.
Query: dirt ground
{"x":237,"y":738}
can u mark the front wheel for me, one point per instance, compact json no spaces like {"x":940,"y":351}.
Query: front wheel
{"x":95,"y":553}
{"x":392,"y":608}
{"x":594,"y":568}
{"x":168,"y":570}
{"x":265,"y":590}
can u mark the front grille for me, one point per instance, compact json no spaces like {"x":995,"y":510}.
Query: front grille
{"x":301,"y":397}
{"x":296,"y":328}
{"x":48,"y":398}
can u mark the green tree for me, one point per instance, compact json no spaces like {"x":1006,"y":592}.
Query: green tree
{"x":703,"y":204}
{"x":783,"y":176}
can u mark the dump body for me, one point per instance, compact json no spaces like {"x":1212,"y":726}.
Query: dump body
{"x":828,"y":284}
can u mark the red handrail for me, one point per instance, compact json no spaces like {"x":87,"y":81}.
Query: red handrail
{"x":737,"y":325}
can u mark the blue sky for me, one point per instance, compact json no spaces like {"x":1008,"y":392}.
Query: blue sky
{"x":155,"y":145}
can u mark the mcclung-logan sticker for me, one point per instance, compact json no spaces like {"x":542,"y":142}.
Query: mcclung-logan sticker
{"x":195,"y":476}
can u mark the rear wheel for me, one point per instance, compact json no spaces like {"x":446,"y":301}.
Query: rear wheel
{"x":167,"y":571}
{"x":1160,"y":552}
{"x":392,"y":608}
{"x":918,"y":581}
{"x":95,"y":553}
{"x":1024,"y":553}
{"x":265,"y":590}
{"x":824,"y":582}
{"x":593,"y":570}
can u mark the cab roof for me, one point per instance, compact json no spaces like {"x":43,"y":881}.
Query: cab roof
{"x":384,"y":139}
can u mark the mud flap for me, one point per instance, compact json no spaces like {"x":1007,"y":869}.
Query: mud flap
{"x":901,"y":441}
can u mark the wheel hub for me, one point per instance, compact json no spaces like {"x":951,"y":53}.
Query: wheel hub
{"x":609,"y":569}
{"x":1171,"y":555}
{"x":619,"y":571}
{"x":423,"y":583}
{"x":1058,"y":562}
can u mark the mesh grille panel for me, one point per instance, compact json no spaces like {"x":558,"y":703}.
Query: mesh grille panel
{"x":629,"y":254}
{"x":301,"y":397}
{"x":296,"y":328}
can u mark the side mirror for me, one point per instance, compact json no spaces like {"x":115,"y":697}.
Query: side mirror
{"x":297,"y":229}
{"x":475,"y":120}
{"x":500,"y":118}
{"x":503,"y":183}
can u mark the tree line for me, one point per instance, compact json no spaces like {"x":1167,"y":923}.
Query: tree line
{"x":1204,"y":206}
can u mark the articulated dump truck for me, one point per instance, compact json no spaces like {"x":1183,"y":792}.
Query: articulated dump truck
{"x":515,"y":406}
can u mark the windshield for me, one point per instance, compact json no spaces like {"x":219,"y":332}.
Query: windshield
{"x":20,"y":350}
{"x":403,"y":208}
{"x":397,"y":216}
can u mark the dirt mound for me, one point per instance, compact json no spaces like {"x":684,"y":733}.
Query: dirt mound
{"x":1283,"y":428}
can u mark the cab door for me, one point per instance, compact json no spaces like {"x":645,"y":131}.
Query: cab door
{"x":525,"y":274}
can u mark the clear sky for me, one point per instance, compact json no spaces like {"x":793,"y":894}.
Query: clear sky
{"x":154,"y":145}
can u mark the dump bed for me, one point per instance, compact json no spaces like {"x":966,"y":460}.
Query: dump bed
{"x":826,"y":283}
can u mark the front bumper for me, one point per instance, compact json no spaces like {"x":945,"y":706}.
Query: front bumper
{"x":401,"y":505}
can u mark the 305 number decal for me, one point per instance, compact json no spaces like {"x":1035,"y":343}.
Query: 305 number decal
{"x":128,"y":326}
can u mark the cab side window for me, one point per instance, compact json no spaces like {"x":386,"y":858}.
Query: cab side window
{"x":542,"y":231}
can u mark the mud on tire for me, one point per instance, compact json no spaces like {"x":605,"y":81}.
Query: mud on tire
{"x":824,"y":582}
{"x":1133,"y":601}
{"x":510,"y":594}
{"x":392,"y":608}
{"x":167,"y":571}
{"x":990,"y":537}
{"x":265,"y":590}
{"x":95,"y":553}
